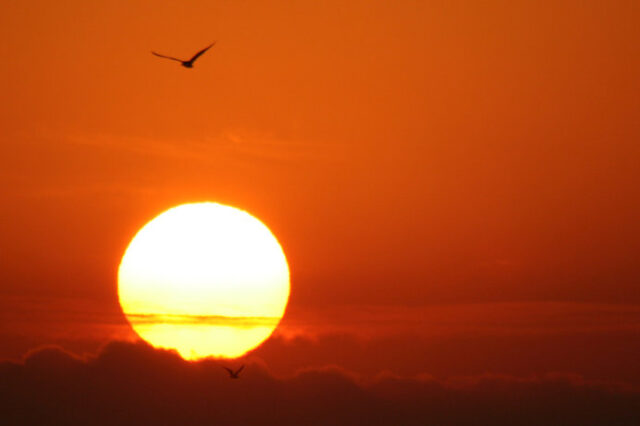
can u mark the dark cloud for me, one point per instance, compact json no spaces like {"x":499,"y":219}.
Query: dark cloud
{"x":135,"y":384}
{"x":518,"y":339}
{"x":464,"y":354}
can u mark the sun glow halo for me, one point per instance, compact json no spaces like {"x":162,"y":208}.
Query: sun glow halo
{"x":204,"y":279}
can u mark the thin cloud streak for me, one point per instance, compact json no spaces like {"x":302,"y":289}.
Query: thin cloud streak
{"x":508,"y":318}
{"x":488,"y":319}
{"x":230,"y":145}
{"x":220,"y":320}
{"x":515,"y":318}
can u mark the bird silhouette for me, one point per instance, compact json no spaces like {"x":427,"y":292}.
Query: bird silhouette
{"x":234,"y":374}
{"x":189,"y":63}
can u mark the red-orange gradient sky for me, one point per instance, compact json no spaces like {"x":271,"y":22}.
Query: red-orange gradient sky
{"x":456,"y":184}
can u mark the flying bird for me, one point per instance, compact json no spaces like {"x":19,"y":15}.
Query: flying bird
{"x":189,"y":63}
{"x":234,"y":374}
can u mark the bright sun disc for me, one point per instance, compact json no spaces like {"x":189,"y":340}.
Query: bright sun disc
{"x":204,"y":279}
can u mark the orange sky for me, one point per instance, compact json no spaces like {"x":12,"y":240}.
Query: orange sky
{"x":408,"y":155}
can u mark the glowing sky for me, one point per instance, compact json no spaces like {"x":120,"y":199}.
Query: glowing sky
{"x":456,"y":179}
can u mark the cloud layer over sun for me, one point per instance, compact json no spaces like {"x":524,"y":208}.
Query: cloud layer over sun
{"x":131,"y":384}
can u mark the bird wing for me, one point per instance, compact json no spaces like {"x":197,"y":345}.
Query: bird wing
{"x":230,"y":371}
{"x":167,"y":57}
{"x":197,"y":55}
{"x":239,"y":369}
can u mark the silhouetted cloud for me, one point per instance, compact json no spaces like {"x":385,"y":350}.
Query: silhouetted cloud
{"x":588,"y":354}
{"x":130,"y":383}
{"x":518,"y":339}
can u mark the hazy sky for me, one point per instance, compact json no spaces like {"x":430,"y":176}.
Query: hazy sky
{"x":457,"y":178}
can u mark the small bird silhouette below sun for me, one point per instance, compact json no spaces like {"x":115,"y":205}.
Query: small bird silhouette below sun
{"x":234,"y":374}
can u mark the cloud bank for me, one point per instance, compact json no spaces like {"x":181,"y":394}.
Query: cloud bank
{"x":132,"y":383}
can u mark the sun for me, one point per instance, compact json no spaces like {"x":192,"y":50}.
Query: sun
{"x":204,"y":279}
